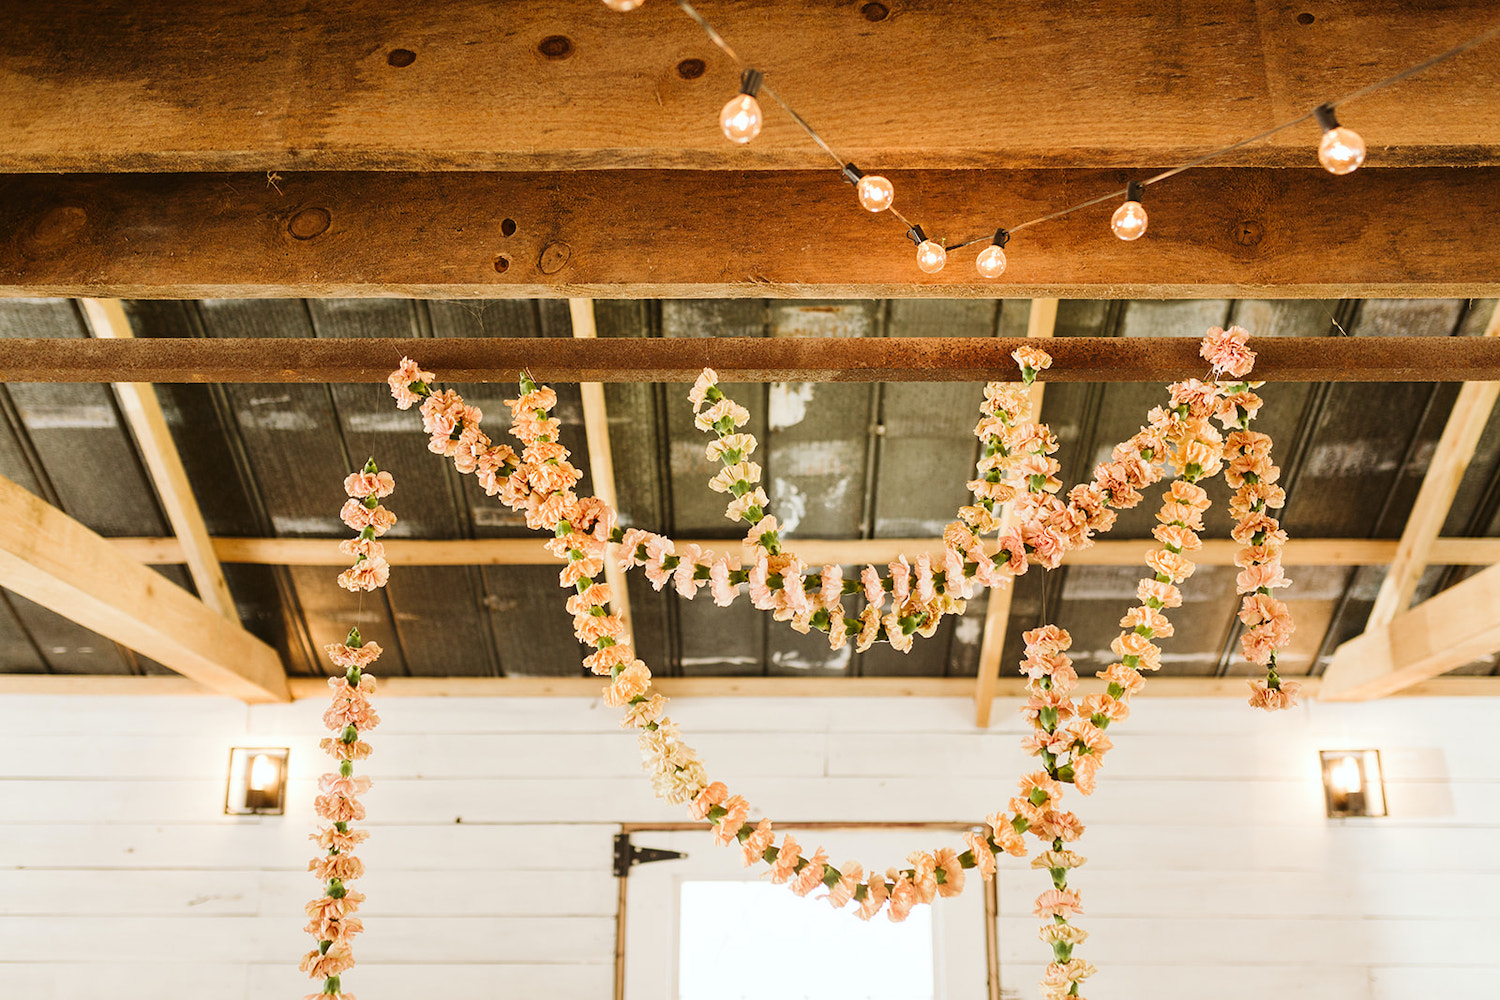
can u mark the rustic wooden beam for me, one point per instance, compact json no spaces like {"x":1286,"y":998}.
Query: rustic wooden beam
{"x":1041,"y":320}
{"x":694,"y":687}
{"x":49,"y":558}
{"x":741,"y":359}
{"x":1458,"y":626}
{"x":816,"y":551}
{"x":154,"y":439}
{"x":504,"y":84}
{"x":1215,"y":233}
{"x":601,"y":458}
{"x":1445,"y":471}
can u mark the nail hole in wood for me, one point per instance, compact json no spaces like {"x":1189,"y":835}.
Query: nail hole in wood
{"x":691,"y":69}
{"x":1305,"y":18}
{"x":309,"y":222}
{"x":508,"y":227}
{"x":556,"y":47}
{"x":401,"y":58}
{"x":875,"y":11}
{"x":501,"y":264}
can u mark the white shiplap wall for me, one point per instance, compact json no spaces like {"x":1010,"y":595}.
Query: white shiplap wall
{"x":1213,"y":871}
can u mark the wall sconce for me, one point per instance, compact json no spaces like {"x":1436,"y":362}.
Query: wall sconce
{"x":257,"y":781}
{"x":1352,"y":783}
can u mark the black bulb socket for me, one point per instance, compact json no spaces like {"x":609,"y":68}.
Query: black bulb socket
{"x":1326,"y":119}
{"x":750,"y":81}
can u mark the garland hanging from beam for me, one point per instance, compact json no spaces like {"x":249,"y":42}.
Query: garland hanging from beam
{"x":1068,"y":736}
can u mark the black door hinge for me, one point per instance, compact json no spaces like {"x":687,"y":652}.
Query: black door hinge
{"x":627,"y":855}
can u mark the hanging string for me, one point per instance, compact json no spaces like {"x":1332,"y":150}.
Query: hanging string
{"x":1472,"y":43}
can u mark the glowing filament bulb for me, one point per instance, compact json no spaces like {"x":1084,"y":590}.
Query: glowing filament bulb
{"x":875,"y":193}
{"x":1344,"y":776}
{"x":991,"y":262}
{"x":931,"y":256}
{"x":262,"y":773}
{"x":1341,"y":150}
{"x":1129,"y":221}
{"x":623,"y":5}
{"x":741,"y":119}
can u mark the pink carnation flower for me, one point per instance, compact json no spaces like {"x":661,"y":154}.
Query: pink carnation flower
{"x":400,"y":382}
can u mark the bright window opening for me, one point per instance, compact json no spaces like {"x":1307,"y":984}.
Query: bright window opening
{"x":757,"y":941}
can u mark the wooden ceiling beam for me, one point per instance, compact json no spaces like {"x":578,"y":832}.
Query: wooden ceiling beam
{"x":740,"y":359}
{"x":1215,"y":233}
{"x":1458,"y":626}
{"x":506,"y":84}
{"x":316,"y":689}
{"x":817,"y":551}
{"x":49,"y":558}
{"x":154,"y":439}
{"x":1445,"y":471}
{"x":601,"y":458}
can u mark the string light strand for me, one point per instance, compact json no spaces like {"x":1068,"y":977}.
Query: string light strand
{"x":1343,"y":159}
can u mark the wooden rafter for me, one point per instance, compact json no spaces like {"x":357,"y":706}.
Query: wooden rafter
{"x":154,"y":439}
{"x":49,"y":558}
{"x":601,"y":459}
{"x":741,"y":359}
{"x":530,"y":551}
{"x":1040,"y":322}
{"x":693,"y":687}
{"x":1215,"y":233}
{"x":1350,"y":673}
{"x":350,"y":85}
{"x":1458,"y":626}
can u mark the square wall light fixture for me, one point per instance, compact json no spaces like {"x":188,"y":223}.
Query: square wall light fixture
{"x":257,"y":781}
{"x":1352,"y":783}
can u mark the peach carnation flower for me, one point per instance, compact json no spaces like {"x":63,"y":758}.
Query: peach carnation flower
{"x":811,"y":876}
{"x":842,"y":891}
{"x":400,"y":382}
{"x":707,"y":379}
{"x":1226,"y":351}
{"x":984,"y":858}
{"x":754,"y":846}
{"x":1058,"y":903}
{"x":1030,"y":356}
{"x":787,"y":856}
{"x":1262,"y":695}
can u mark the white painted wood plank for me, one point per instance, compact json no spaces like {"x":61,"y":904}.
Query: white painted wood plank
{"x":1121,"y":941}
{"x":941,"y":798}
{"x":278,"y":939}
{"x":81,"y":979}
{"x":1260,"y":979}
{"x":1149,"y":892}
{"x":282,"y":845}
{"x":469,"y":980}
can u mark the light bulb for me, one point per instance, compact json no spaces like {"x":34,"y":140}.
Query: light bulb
{"x":875,"y":193}
{"x":1341,"y":150}
{"x":1129,"y":221}
{"x":262,"y":773}
{"x":1344,"y":776}
{"x":991,"y":262}
{"x":623,"y":5}
{"x":931,"y":256}
{"x":741,"y":119}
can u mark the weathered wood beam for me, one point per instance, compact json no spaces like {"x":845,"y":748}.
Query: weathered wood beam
{"x":1041,"y":320}
{"x":1455,"y":627}
{"x":693,"y":687}
{"x":505,"y":84}
{"x":49,"y":558}
{"x":1215,"y":233}
{"x":816,"y":551}
{"x":742,"y":359}
{"x":1445,"y":471}
{"x":154,"y":439}
{"x":601,"y":458}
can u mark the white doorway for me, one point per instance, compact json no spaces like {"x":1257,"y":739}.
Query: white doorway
{"x":706,"y":928}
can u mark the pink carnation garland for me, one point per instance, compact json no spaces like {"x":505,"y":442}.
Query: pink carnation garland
{"x":1068,"y":737}
{"x":331,"y":919}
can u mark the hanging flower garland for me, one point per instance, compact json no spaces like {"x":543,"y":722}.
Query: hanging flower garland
{"x":331,"y":919}
{"x":1068,"y":737}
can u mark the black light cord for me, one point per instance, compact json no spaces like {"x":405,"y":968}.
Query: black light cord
{"x":908,"y":226}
